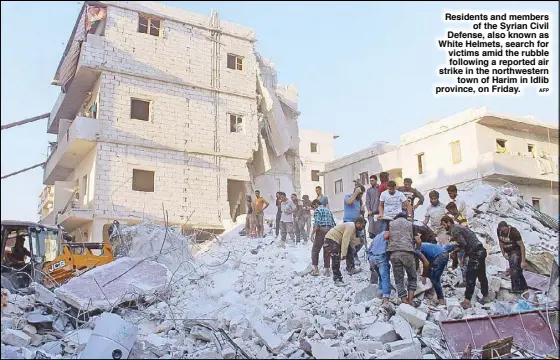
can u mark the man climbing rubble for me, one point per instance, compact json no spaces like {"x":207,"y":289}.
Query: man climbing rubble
{"x":434,"y":261}
{"x":379,"y":265}
{"x":340,"y":242}
{"x":286,"y":221}
{"x":259,"y":206}
{"x":401,"y":254}
{"x":323,"y":221}
{"x":433,"y":217}
{"x":466,"y":240}
{"x":513,"y":249}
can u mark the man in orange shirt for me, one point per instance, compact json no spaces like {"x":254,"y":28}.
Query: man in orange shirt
{"x":259,"y":205}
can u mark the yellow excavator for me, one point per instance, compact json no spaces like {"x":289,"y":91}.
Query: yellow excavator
{"x":46,"y":254}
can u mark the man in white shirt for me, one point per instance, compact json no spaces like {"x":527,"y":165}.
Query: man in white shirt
{"x":287,"y":207}
{"x":436,"y":210}
{"x":391,"y":203}
{"x":461,"y":206}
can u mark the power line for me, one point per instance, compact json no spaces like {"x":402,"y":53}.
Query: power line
{"x":23,"y":170}
{"x":17,"y":123}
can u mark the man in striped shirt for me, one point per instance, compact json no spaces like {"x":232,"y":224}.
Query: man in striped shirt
{"x":323,"y":221}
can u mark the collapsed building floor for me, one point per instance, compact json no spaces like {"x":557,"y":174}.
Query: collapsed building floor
{"x":236,"y":297}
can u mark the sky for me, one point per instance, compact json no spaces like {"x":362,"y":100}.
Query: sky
{"x":363,"y":70}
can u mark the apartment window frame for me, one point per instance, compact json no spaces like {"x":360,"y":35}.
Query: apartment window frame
{"x":149,"y":25}
{"x":150,"y":109}
{"x":311,"y":144}
{"x":420,"y":163}
{"x":238,"y":121}
{"x":315,"y":175}
{"x":532,"y":149}
{"x":364,"y":178}
{"x":536,"y":203}
{"x":338,"y":186}
{"x":499,"y":144}
{"x":456,"y":155}
{"x":238,"y":62}
{"x":141,"y":188}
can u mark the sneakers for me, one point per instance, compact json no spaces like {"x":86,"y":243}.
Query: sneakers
{"x":339,"y":283}
{"x":485,"y":300}
{"x":315,"y":272}
{"x":327,"y":272}
{"x":354,"y":271}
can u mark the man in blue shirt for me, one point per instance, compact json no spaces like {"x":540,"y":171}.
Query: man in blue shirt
{"x":434,"y":259}
{"x":379,"y":263}
{"x":352,"y":207}
{"x":323,"y":221}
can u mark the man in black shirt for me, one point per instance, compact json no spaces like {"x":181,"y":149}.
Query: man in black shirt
{"x":465,"y":239}
{"x":513,"y":250}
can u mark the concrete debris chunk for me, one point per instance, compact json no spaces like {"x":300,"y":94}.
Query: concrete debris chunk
{"x":15,"y":338}
{"x":368,"y":346}
{"x":201,"y":333}
{"x":415,"y":317}
{"x":42,"y":294}
{"x":110,"y":285}
{"x":272,"y":341}
{"x":403,"y":344}
{"x":412,"y":351}
{"x":323,"y":350}
{"x":366,"y":294}
{"x":431,"y":330}
{"x":381,"y":331}
{"x":402,"y":327}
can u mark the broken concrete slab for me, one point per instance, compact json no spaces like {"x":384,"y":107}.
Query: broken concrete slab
{"x":411,"y":352}
{"x":431,"y":330}
{"x":201,"y":333}
{"x":381,"y":331}
{"x":272,"y":341}
{"x":110,"y":285}
{"x":15,"y":338}
{"x":368,"y":346}
{"x":323,"y":350}
{"x":421,"y":288}
{"x":403,"y":344}
{"x":402,"y":327}
{"x":42,"y":294}
{"x":366,"y":294}
{"x":415,"y":317}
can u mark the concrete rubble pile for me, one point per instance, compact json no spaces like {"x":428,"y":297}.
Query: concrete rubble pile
{"x":248,"y":298}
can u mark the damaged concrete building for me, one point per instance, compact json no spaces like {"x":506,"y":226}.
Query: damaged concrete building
{"x":162,"y":106}
{"x":472,"y":145}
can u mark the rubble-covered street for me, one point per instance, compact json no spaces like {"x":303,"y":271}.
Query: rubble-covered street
{"x":237,"y":297}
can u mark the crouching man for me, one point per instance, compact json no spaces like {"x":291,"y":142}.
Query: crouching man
{"x":340,"y":242}
{"x":379,"y":265}
{"x":434,"y":260}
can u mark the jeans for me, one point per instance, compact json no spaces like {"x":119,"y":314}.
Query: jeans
{"x":333,"y":249}
{"x":384,"y":225}
{"x":518,"y":282}
{"x":476,"y":269}
{"x":436,"y":270}
{"x":403,"y":262}
{"x":318,"y":245}
{"x":380,"y":264}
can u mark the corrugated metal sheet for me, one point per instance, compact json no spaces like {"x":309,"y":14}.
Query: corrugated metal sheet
{"x":530,"y":330}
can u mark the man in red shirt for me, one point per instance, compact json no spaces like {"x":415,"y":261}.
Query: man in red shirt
{"x":384,"y":178}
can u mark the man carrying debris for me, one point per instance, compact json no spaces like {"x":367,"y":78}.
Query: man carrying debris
{"x":306,"y":204}
{"x":434,"y":261}
{"x":461,"y":206}
{"x":391,"y":203}
{"x":340,"y":242}
{"x":322,"y":198}
{"x":287,"y":221}
{"x":372,"y":206}
{"x":323,"y":221}
{"x":513,"y":249}
{"x":433,"y":217}
{"x":379,"y":265}
{"x":259,"y":206}
{"x":298,"y":219}
{"x":411,"y":194}
{"x":401,"y":254}
{"x":466,"y":240}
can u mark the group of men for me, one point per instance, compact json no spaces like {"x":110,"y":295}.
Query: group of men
{"x":399,"y":242}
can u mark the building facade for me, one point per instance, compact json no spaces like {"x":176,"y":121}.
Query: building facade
{"x":475,"y":144}
{"x":316,"y":148}
{"x":157,"y":110}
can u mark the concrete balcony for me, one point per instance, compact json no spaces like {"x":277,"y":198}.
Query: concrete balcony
{"x":73,"y":218}
{"x":46,"y":198}
{"x":73,"y":145}
{"x":526,"y":169}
